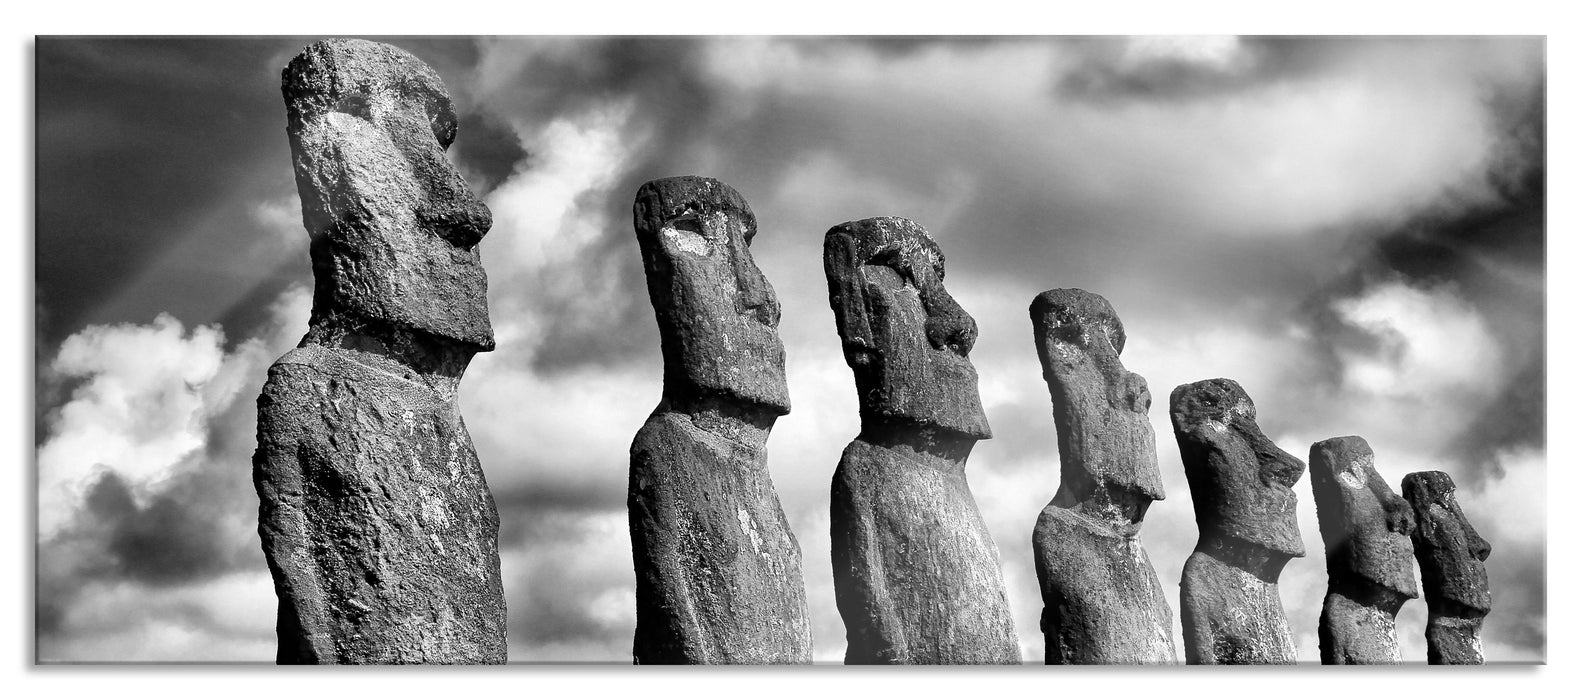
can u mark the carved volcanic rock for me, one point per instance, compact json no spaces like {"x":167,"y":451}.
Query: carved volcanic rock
{"x":1102,"y":600}
{"x":719,"y":573}
{"x":917,"y":577}
{"x":1368,"y":551}
{"x":1246,"y":515}
{"x":1451,"y":554}
{"x":374,"y":515}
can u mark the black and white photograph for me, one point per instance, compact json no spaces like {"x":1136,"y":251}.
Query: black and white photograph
{"x":785,"y":349}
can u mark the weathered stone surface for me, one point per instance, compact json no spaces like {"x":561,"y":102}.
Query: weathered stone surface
{"x":1247,"y":531}
{"x":917,"y":577}
{"x":1368,"y":551}
{"x":1451,"y":555}
{"x":719,"y":573}
{"x":1102,"y":600}
{"x":374,"y":515}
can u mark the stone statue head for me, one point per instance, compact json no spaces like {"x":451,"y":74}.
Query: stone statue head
{"x":1240,"y":480}
{"x":1354,"y":520}
{"x":1101,"y":408}
{"x":1449,"y":550}
{"x":905,"y":338}
{"x":394,"y":227}
{"x":717,"y":314}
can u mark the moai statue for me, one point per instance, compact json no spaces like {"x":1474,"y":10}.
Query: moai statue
{"x":1102,"y":600}
{"x":1451,"y":555}
{"x":1246,"y":517}
{"x":719,"y":573}
{"x":1368,"y":551}
{"x":917,"y":577}
{"x":375,"y":519}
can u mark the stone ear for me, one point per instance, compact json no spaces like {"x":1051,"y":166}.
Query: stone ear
{"x":846,"y":295}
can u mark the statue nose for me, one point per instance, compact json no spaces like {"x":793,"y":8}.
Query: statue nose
{"x":454,"y":212}
{"x":448,"y":208}
{"x":949,"y":327}
{"x":757,"y":297}
{"x":1275,"y":465}
{"x":1480,"y":547}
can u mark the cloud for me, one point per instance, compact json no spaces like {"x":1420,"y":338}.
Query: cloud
{"x":146,"y":494}
{"x":1425,"y":342}
{"x":145,"y":394}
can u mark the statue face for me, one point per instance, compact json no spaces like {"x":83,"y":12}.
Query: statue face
{"x":395,"y":228}
{"x":717,"y":314}
{"x":906,"y":339}
{"x":1449,"y":549}
{"x":1240,"y":480}
{"x":1353,"y":520}
{"x":1101,"y":409}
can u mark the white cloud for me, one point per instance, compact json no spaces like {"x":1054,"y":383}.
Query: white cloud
{"x":146,"y":395}
{"x":1430,"y":342}
{"x":1215,"y":51}
{"x":538,"y":247}
{"x":1512,"y":506}
{"x":149,"y":401}
{"x":140,"y":410}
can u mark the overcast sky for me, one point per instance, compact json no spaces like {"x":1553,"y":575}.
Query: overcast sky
{"x":1353,"y":229}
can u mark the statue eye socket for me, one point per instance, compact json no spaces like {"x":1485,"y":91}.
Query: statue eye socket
{"x":686,"y":233}
{"x":355,"y":104}
{"x":686,"y":222}
{"x":889,"y":257}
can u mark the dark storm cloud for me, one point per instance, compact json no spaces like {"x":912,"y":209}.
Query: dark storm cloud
{"x":167,"y":542}
{"x":135,"y":135}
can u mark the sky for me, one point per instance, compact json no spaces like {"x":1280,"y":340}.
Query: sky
{"x":1351,"y":228}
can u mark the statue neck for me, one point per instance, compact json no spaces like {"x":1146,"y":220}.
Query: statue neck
{"x":1241,"y":554}
{"x":425,"y":357}
{"x":929,"y":443}
{"x":1111,"y":508}
{"x":728,"y":417}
